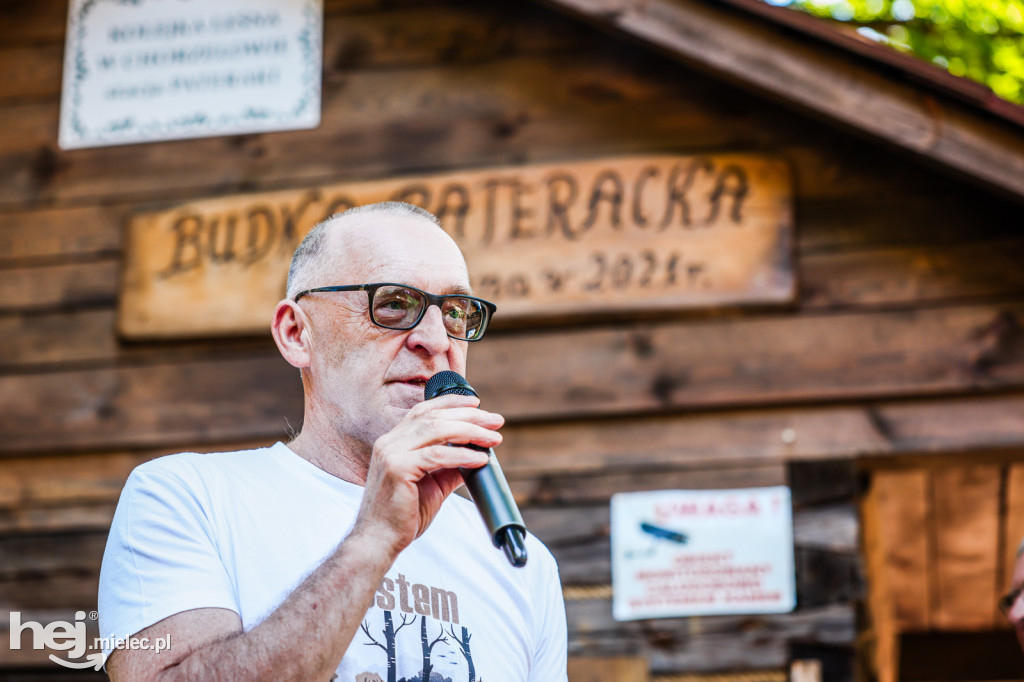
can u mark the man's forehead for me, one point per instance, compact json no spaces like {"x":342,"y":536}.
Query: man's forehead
{"x":372,"y":246}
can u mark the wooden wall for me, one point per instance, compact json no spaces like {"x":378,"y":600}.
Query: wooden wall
{"x":906,"y":338}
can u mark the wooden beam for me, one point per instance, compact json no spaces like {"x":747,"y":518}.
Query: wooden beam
{"x":391,"y":122}
{"x":605,"y":669}
{"x":67,"y":285}
{"x":437,"y":33}
{"x":757,"y":54}
{"x":51,"y":235}
{"x":211,"y":399}
{"x":707,"y":644}
{"x":895,"y":515}
{"x":868,"y":278}
{"x":965,"y":513}
{"x":1013,"y":525}
{"x":604,"y":371}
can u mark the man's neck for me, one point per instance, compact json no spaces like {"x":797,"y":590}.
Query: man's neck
{"x":333,"y":453}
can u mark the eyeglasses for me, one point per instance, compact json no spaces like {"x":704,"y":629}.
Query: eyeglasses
{"x":1007,"y":601}
{"x":401,"y":307}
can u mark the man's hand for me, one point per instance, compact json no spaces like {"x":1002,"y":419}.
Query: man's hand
{"x":414,"y":467}
{"x":412,"y":470}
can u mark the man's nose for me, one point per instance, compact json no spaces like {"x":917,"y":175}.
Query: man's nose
{"x":431,"y":334}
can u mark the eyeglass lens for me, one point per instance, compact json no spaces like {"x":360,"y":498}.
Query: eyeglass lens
{"x":401,"y":308}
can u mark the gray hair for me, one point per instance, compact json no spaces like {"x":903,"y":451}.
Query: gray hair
{"x":306,"y":263}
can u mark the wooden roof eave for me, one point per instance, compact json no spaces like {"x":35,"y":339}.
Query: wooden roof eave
{"x":754,"y":53}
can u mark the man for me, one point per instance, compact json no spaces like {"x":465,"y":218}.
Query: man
{"x":341,"y":555}
{"x":1011,"y":604}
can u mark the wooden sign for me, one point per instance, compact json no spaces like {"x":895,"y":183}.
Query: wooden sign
{"x":147,"y":70}
{"x":541,"y":241}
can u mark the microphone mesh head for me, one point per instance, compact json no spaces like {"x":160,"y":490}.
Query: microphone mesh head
{"x":447,"y":383}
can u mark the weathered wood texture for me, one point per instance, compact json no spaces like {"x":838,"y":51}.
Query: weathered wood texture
{"x":542,"y":242}
{"x":602,"y":371}
{"x":837,"y":87}
{"x":46,"y":565}
{"x":604,"y":669}
{"x":934,"y":538}
{"x":904,"y":346}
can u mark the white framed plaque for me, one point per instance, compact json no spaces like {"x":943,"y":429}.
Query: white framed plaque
{"x":150,"y":70}
{"x":702,"y":552}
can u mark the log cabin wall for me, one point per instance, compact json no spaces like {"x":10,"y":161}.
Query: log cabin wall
{"x":905,"y":339}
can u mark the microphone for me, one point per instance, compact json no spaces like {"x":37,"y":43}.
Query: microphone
{"x":487,"y":485}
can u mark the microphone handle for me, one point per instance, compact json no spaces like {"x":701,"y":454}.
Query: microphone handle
{"x":493,"y":498}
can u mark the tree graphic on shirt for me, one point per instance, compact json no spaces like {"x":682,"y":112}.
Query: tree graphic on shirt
{"x":463,"y":643}
{"x":427,"y":645}
{"x":390,"y":632}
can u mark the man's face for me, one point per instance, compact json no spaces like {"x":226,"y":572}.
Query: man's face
{"x":1016,"y":612}
{"x":366,"y":377}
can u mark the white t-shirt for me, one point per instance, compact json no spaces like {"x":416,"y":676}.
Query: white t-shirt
{"x":241,"y":530}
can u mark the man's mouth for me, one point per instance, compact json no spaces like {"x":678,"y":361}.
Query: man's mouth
{"x":417,"y":382}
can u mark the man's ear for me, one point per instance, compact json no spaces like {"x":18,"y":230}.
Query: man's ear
{"x":290,"y":328}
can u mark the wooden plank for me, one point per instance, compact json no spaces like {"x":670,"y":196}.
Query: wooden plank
{"x":891,"y":565}
{"x":54,"y":481}
{"x":28,"y":21}
{"x":46,"y":287}
{"x":588,"y":104}
{"x":35,"y":21}
{"x":401,"y":37}
{"x":49,"y":234}
{"x":441,"y":117}
{"x":854,"y":283}
{"x":53,"y":554}
{"x":965,"y":504}
{"x":903,"y":508}
{"x":78,"y":336}
{"x":928,"y":210}
{"x":141,"y":406}
{"x":62,"y":519}
{"x":700,"y":232}
{"x":224,"y":399}
{"x":886,"y":277}
{"x":50,"y":571}
{"x":604,"y":669}
{"x":756,"y":360}
{"x":855,"y":278}
{"x":911,"y":275}
{"x":1013,"y":525}
{"x":532,"y":487}
{"x":411,"y":97}
{"x":828,"y":83}
{"x":848,"y":224}
{"x":51,"y":481}
{"x":706,"y":644}
{"x":33,"y":71}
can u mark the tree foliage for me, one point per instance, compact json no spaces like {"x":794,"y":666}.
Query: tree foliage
{"x":979,"y":39}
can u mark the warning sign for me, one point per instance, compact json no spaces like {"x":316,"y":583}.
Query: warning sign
{"x":702,"y":552}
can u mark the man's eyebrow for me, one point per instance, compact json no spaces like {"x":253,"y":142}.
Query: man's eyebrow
{"x":460,"y":290}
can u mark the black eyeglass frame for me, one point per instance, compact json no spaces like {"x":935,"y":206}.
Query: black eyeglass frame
{"x":1007,"y":601}
{"x":431,"y":299}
